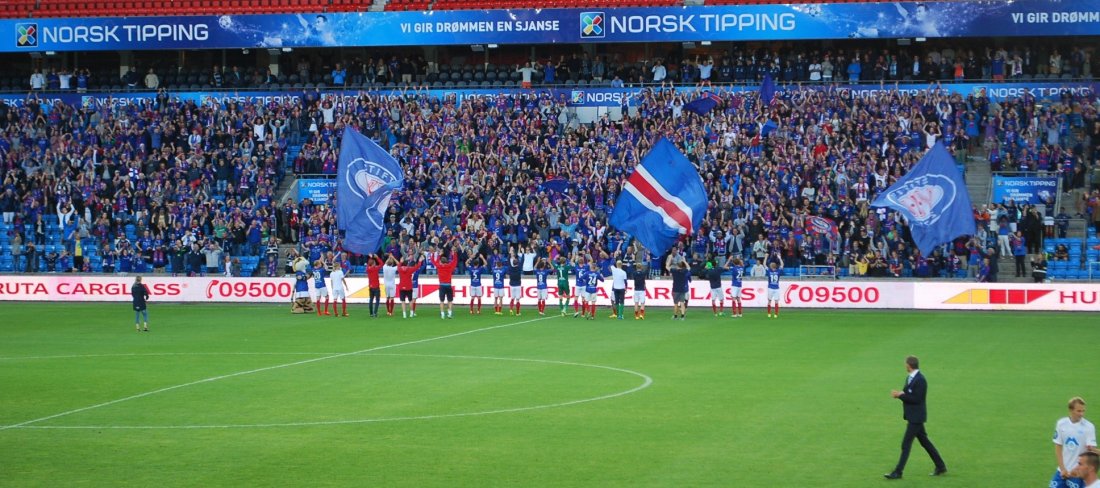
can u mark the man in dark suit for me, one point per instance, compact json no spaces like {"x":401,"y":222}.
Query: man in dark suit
{"x":915,"y":412}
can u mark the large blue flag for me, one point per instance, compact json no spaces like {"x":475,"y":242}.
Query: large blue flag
{"x":933,"y":198}
{"x":367,"y":177}
{"x":704,"y":104}
{"x":661,"y":200}
{"x":767,"y":90}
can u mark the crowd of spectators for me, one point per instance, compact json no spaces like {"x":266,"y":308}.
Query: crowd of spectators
{"x":865,"y":62}
{"x":183,"y":188}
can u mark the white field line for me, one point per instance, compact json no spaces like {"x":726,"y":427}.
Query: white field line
{"x":260,"y":370}
{"x":646,"y":382}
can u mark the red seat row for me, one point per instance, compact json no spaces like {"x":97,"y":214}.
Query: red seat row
{"x":74,"y":8}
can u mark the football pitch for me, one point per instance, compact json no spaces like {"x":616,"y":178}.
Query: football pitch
{"x":250,"y":395}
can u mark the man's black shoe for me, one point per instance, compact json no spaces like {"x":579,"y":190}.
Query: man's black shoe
{"x":892,"y":476}
{"x":939,"y":471}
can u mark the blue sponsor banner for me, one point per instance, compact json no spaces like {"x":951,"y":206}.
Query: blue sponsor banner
{"x":884,"y":20}
{"x":319,"y":190}
{"x":577,"y":97}
{"x":1025,"y":189}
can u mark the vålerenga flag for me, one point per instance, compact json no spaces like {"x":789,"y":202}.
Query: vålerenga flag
{"x":661,"y":200}
{"x":932,"y":196}
{"x":367,"y":177}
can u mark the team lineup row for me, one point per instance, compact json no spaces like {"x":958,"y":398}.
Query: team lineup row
{"x":398,"y":279}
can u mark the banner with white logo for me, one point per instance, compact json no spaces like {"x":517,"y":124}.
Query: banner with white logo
{"x":923,"y":295}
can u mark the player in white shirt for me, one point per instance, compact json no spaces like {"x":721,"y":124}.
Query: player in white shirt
{"x":389,"y":282}
{"x":339,"y":289}
{"x":618,"y":288}
{"x":1073,"y":436}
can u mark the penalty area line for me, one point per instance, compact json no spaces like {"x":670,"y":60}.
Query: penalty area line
{"x":261,"y":370}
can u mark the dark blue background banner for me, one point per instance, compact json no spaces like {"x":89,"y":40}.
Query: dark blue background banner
{"x":576,"y":97}
{"x":1025,"y":189}
{"x":545,"y":26}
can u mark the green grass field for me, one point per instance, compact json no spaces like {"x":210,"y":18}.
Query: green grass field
{"x":252,"y":396}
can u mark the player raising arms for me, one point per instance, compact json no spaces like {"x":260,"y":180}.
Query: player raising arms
{"x":542,"y":272}
{"x":389,"y":280}
{"x":374,"y":267}
{"x":339,"y":289}
{"x":446,"y":264}
{"x":738,"y":271}
{"x":639,"y":290}
{"x":515,"y":282}
{"x":475,"y":266}
{"x":500,"y":272}
{"x":717,"y":296}
{"x":591,"y":288}
{"x":319,"y":288}
{"x":561,"y":270}
{"x":582,"y":281}
{"x":681,"y":283}
{"x":405,"y":285}
{"x":772,"y":274}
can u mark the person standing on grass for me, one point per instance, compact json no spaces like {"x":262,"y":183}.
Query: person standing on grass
{"x":500,"y":272}
{"x":339,"y":289}
{"x":319,"y":288}
{"x":561,"y":270}
{"x":1073,"y":436}
{"x":915,"y":412}
{"x":717,"y":296}
{"x":374,"y":267}
{"x":681,"y":279}
{"x":515,"y":277}
{"x":475,"y":271}
{"x":772,"y":274}
{"x":639,"y":290}
{"x":738,"y":272}
{"x":618,"y":288}
{"x":592,"y":281}
{"x":445,"y":264}
{"x":140,"y":293}
{"x":542,"y":274}
{"x":405,"y":286}
{"x":389,"y":281}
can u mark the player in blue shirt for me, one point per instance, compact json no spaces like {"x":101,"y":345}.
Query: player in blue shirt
{"x":581,"y":279}
{"x":738,"y":271}
{"x":475,"y":271}
{"x":515,"y":282}
{"x":592,"y":281}
{"x":500,"y":272}
{"x":772,"y":274}
{"x":681,"y":277}
{"x":717,"y":295}
{"x":319,"y":287}
{"x":542,"y":273}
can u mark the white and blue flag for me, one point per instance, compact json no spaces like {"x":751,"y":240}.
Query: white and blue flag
{"x":366,"y":179}
{"x":933,"y":198}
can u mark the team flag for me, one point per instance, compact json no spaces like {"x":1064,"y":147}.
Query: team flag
{"x":704,"y":104}
{"x":933,"y":198}
{"x":557,"y":185}
{"x":822,"y":226}
{"x":767,"y":90}
{"x":661,"y":200}
{"x":366,"y":179}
